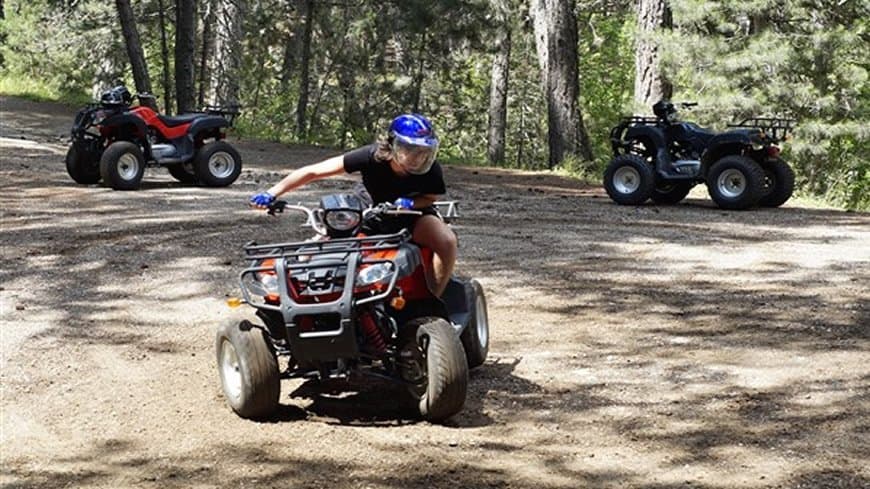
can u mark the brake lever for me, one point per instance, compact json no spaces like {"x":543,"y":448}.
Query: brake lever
{"x":277,"y":207}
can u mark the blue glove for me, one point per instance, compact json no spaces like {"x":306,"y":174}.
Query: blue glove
{"x":262,"y":199}
{"x":404,"y":203}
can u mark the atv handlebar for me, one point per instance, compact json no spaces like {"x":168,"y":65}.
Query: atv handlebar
{"x":278,"y":207}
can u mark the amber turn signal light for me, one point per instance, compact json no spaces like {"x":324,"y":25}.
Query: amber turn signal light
{"x":398,"y":303}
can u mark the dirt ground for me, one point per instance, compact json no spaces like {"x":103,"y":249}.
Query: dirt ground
{"x":647,"y":347}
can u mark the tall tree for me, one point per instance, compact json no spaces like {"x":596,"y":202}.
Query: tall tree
{"x":307,"y":11}
{"x":134,"y":47}
{"x":291,"y":46}
{"x":650,"y":85}
{"x":185,"y":44}
{"x":498,"y":88}
{"x":207,"y":48}
{"x":557,"y":51}
{"x":164,"y":57}
{"x":226,"y":69}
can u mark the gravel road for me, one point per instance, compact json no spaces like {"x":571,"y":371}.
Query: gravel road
{"x":646,"y":347}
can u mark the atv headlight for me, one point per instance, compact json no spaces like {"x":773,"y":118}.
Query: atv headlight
{"x":341,"y":213}
{"x":342,"y":220}
{"x":372,"y":274}
{"x":269,"y":281}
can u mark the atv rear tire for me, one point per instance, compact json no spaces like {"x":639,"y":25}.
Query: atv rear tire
{"x":122,"y":165}
{"x":735,"y":182}
{"x":248,"y":370}
{"x":182,"y":173}
{"x":446,"y":371}
{"x":80,"y":166}
{"x":475,"y":336}
{"x":671,"y":193}
{"x":629,"y":180}
{"x":778,"y":183}
{"x":217,"y":164}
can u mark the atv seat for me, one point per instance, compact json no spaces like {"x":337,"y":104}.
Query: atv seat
{"x":697,"y":132}
{"x":180,"y":119}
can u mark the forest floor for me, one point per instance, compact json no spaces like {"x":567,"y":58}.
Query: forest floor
{"x":647,"y":347}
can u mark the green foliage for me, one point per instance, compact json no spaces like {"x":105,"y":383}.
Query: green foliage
{"x":59,"y":47}
{"x":606,"y":77}
{"x":39,"y":91}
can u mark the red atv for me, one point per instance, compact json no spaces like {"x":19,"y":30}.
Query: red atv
{"x":351,"y":302}
{"x":114,"y":142}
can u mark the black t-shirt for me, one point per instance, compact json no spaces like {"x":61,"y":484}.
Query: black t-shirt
{"x":383,"y":184}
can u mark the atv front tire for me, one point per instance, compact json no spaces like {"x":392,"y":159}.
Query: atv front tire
{"x":778,"y":183}
{"x":248,"y":370}
{"x":80,"y":166}
{"x":183,"y":172}
{"x":671,"y":193}
{"x":217,"y":164}
{"x":443,"y":374}
{"x":475,"y":336}
{"x":122,"y":165}
{"x":735,"y":182}
{"x":629,"y":180}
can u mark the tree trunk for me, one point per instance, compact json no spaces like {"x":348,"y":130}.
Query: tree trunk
{"x":499,"y":85}
{"x":650,"y":85}
{"x":307,"y":11}
{"x":538,"y":13}
{"x":558,"y":46}
{"x":134,"y":47}
{"x":227,"y":67}
{"x":419,"y":76}
{"x":185,"y":44}
{"x":207,"y":47}
{"x":291,"y":48}
{"x":164,"y":54}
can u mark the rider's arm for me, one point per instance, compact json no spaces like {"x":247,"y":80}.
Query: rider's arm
{"x":424,"y":200}
{"x":297,"y":178}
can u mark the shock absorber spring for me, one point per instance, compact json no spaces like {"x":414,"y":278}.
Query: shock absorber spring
{"x":374,"y":337}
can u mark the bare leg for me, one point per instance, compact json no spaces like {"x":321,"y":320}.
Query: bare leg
{"x":432,"y":233}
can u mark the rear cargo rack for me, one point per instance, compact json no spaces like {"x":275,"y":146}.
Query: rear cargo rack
{"x":228,"y":112}
{"x":777,"y":128}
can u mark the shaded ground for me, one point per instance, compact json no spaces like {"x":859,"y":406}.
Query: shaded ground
{"x":648,"y":347}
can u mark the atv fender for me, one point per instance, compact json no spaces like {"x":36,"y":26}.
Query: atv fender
{"x":126,"y":126}
{"x":129,"y":127}
{"x":205,"y":123}
{"x":647,"y":134}
{"x":459,"y":299}
{"x":727,"y":143}
{"x":653,"y":136}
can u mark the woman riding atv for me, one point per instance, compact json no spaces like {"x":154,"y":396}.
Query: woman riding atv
{"x":399,"y":169}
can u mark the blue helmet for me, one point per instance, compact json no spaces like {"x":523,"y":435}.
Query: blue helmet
{"x":414,"y":143}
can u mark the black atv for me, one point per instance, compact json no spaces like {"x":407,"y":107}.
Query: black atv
{"x":661,"y":158}
{"x":114,"y":141}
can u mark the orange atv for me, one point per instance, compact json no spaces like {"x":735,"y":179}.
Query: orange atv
{"x":351,"y":302}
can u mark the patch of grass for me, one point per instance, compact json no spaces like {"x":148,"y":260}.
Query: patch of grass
{"x":39,"y":91}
